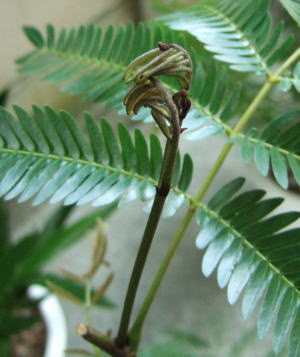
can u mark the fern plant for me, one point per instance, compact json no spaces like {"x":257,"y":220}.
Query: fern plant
{"x":46,"y":155}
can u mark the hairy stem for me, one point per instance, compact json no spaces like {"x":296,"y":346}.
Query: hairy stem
{"x":142,"y":314}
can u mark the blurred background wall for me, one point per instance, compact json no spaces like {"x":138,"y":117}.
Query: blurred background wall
{"x":16,"y":13}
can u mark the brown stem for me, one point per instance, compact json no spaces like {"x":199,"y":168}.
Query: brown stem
{"x":137,"y":10}
{"x":102,"y":341}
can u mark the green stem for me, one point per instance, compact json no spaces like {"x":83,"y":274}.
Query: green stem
{"x":138,"y":268}
{"x":88,"y":303}
{"x":88,"y":310}
{"x":150,"y":229}
{"x":162,"y":191}
{"x":135,"y":333}
{"x":136,"y":330}
{"x":293,"y":58}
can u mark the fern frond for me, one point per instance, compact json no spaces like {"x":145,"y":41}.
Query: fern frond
{"x":237,"y":32}
{"x":293,"y":8}
{"x":90,"y":62}
{"x":214,"y":101}
{"x":277,"y":146}
{"x":255,"y":254}
{"x":47,"y":156}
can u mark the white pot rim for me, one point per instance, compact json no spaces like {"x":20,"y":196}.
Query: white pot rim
{"x":54,"y":318}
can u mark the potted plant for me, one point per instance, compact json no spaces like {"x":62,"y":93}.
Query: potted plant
{"x":31,"y":315}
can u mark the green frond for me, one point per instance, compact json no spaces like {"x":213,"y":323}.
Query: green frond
{"x":291,"y":80}
{"x":255,"y":254}
{"x":47,"y":156}
{"x":277,"y":146}
{"x":90,"y":62}
{"x":237,"y":32}
{"x":293,"y":8}
{"x":214,"y":101}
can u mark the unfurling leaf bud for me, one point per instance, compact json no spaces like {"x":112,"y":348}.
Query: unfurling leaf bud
{"x":166,"y":60}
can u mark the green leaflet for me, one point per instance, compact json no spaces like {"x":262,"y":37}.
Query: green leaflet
{"x":215,"y":252}
{"x":34,"y":36}
{"x":251,"y":255}
{"x":90,"y":62}
{"x":269,"y":307}
{"x":247,"y":149}
{"x":255,"y":289}
{"x":295,"y":167}
{"x":47,"y":156}
{"x":277,"y":146}
{"x":293,"y":8}
{"x":128,"y":150}
{"x":294,"y":345}
{"x":241,"y":203}
{"x":291,"y":79}
{"x":186,"y":173}
{"x":156,"y":156}
{"x":225,"y":193}
{"x":261,"y":158}
{"x":285,"y":319}
{"x":111,"y":144}
{"x":237,"y":33}
{"x":142,"y":157}
{"x":279,"y":168}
